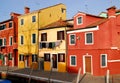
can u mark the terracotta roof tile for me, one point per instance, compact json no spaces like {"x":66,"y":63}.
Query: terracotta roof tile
{"x":59,"y":23}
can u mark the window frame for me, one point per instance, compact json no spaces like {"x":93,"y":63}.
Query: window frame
{"x":21,"y":21}
{"x":70,"y":39}
{"x":10,"y":41}
{"x":59,"y":57}
{"x":59,"y":34}
{"x":42,"y":37}
{"x":33,"y":19}
{"x":101,"y":61}
{"x":21,"y":57}
{"x":21,"y":41}
{"x":33,"y":41}
{"x":11,"y":22}
{"x":78,"y":20}
{"x":75,"y":60}
{"x":86,"y":43}
{"x":49,"y":59}
{"x":4,"y":42}
{"x":34,"y":57}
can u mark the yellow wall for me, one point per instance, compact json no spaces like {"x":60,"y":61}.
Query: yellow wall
{"x":52,"y":37}
{"x":43,"y":17}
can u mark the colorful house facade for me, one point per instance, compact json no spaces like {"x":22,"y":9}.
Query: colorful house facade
{"x":9,"y":41}
{"x":29,"y":23}
{"x":94,"y":43}
{"x":52,"y":45}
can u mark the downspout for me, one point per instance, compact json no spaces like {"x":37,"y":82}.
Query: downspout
{"x":38,"y":41}
{"x":66,"y":47}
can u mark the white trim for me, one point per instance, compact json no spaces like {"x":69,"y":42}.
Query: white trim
{"x":84,"y":64}
{"x":112,"y":17}
{"x":101,"y":60}
{"x":84,"y":30}
{"x":114,"y":47}
{"x":10,"y":40}
{"x":79,"y":14}
{"x":86,"y":39}
{"x":70,"y":39}
{"x":114,"y":60}
{"x":81,"y":20}
{"x":75,"y":60}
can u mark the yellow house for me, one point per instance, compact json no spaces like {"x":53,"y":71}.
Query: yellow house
{"x":52,"y":45}
{"x":28,"y":25}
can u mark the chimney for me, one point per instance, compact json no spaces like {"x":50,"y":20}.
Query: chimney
{"x":111,"y":11}
{"x":26,"y":10}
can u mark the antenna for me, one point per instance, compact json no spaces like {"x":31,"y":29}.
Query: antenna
{"x":86,"y":8}
{"x":111,"y":2}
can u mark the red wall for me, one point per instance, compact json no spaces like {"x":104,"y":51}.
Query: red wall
{"x":96,"y":65}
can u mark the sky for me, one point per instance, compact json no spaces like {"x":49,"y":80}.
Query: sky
{"x":94,"y":7}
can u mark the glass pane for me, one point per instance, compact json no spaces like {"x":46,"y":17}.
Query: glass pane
{"x":89,"y":37}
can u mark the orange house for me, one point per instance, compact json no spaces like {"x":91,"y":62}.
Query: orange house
{"x":94,"y":43}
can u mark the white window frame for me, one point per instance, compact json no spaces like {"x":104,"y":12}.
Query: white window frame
{"x":20,"y":40}
{"x":81,"y":20}
{"x":86,"y":38}
{"x":32,"y":38}
{"x":4,"y":42}
{"x":75,"y":60}
{"x":101,"y":60}
{"x":10,"y":40}
{"x":70,"y":39}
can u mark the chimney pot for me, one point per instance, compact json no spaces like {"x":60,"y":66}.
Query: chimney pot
{"x":26,"y":10}
{"x":111,"y":11}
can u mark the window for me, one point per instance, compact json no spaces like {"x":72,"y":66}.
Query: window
{"x":21,"y":40}
{"x":47,"y":57}
{"x":60,"y":35}
{"x":44,"y":37}
{"x":63,"y":10}
{"x":79,"y":20}
{"x":72,"y":39}
{"x":61,"y":57}
{"x":4,"y":26}
{"x":11,"y":41}
{"x":72,"y":60}
{"x":22,"y":21}
{"x":103,"y":60}
{"x":34,"y":57}
{"x":1,"y":42}
{"x":33,"y":38}
{"x":4,"y":44}
{"x":21,"y":57}
{"x":33,"y":18}
{"x":10,"y":24}
{"x":10,"y":56}
{"x":89,"y":38}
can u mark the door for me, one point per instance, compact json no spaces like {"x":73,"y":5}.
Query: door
{"x":27,"y":61}
{"x":88,"y":64}
{"x":54,"y":61}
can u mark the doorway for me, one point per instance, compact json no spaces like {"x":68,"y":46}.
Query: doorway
{"x":88,"y":64}
{"x":54,"y":61}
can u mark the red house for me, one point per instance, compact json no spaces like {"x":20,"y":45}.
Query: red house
{"x":94,"y":44}
{"x":8,"y":41}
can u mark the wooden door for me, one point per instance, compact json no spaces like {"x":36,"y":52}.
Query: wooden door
{"x":88,"y":64}
{"x":54,"y":61}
